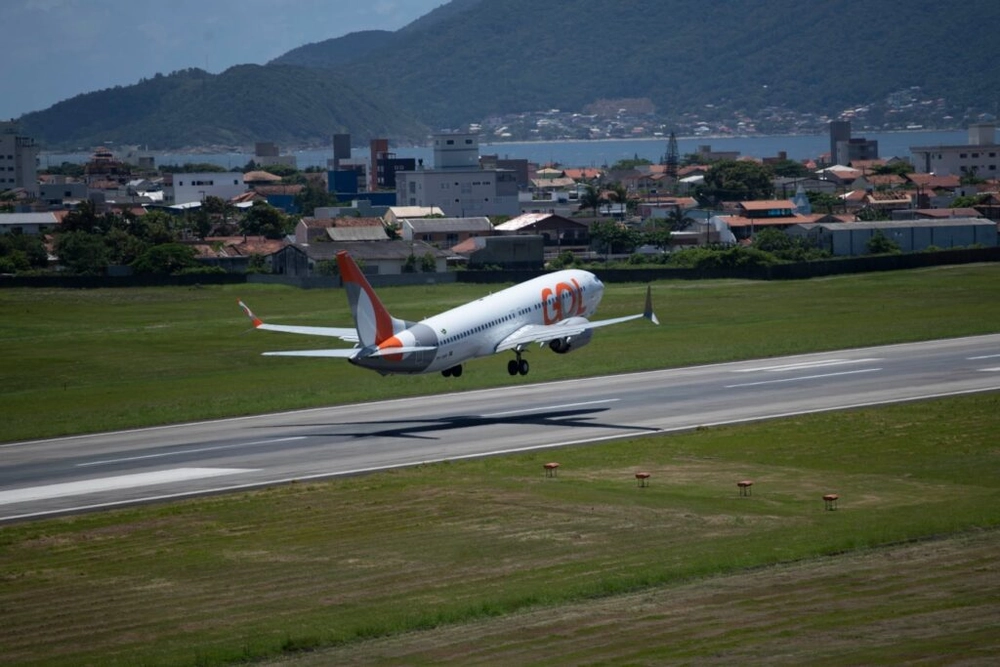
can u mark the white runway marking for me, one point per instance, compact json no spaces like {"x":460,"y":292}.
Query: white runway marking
{"x":804,"y":377}
{"x":182,"y":452}
{"x":550,"y":407}
{"x":119,"y":482}
{"x":990,"y":370}
{"x":984,"y":356}
{"x":803,"y":365}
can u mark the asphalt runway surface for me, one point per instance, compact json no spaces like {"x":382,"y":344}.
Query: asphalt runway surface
{"x":85,"y":473}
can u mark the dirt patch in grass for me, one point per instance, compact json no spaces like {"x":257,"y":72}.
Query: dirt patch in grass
{"x":936,"y":601}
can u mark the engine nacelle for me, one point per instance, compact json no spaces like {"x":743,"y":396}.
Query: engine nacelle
{"x":570,"y":343}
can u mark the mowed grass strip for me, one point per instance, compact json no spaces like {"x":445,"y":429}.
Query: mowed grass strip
{"x":337,"y":564}
{"x":95,"y":360}
{"x":935,"y":601}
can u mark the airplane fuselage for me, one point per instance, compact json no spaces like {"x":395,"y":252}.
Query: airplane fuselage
{"x":475,"y":329}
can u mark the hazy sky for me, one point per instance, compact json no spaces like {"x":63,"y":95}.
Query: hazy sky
{"x":56,"y":49}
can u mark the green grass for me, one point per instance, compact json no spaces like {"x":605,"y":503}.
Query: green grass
{"x":95,"y":360}
{"x":350,"y":566}
{"x":344,"y":562}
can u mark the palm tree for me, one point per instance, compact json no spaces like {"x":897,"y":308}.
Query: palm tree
{"x":592,"y":199}
{"x":678,"y":220}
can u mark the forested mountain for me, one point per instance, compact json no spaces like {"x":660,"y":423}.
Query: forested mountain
{"x":470,"y":59}
{"x":243,"y":104}
{"x":822,"y":57}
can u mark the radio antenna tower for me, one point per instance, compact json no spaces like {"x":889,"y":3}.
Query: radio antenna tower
{"x":673,"y":158}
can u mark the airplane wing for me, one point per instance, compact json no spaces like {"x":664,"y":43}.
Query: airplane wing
{"x":349,"y":335}
{"x":543,"y":333}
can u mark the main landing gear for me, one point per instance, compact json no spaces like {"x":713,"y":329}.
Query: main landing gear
{"x":453,"y":372}
{"x":517,"y":366}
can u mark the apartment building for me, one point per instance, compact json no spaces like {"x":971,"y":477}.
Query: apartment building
{"x":980,"y":157}
{"x":18,"y":160}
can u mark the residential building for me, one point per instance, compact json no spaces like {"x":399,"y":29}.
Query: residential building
{"x":27,"y":223}
{"x":980,"y":157}
{"x":555,"y":230}
{"x":457,"y":184}
{"x":751,"y":216}
{"x":845,"y":149}
{"x":375,"y":257}
{"x":521,"y":252}
{"x":184,"y":188}
{"x":444,"y":232}
{"x":267,"y":153}
{"x":18,"y":160}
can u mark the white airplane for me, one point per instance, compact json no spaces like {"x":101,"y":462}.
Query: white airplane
{"x":551,"y":309}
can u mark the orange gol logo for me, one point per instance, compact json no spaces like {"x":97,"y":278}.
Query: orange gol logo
{"x":559,"y":307}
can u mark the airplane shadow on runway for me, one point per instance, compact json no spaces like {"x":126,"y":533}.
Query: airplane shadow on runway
{"x":417,"y":428}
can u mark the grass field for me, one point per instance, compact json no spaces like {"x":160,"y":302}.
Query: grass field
{"x":379,"y":566}
{"x":94,"y":360}
{"x":487,"y":561}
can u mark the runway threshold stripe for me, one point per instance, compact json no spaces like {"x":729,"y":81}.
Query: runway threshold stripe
{"x":119,"y":482}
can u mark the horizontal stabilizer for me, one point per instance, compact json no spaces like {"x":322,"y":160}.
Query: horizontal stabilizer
{"x":389,"y":351}
{"x":343,"y":353}
{"x":343,"y":333}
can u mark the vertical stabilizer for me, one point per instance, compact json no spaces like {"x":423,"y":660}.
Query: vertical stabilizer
{"x":374,"y":323}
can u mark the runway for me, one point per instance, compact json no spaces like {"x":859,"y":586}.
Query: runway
{"x":75,"y":474}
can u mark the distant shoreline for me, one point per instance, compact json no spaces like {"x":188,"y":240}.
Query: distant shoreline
{"x":248,"y":150}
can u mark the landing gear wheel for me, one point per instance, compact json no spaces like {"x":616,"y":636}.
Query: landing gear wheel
{"x":522,"y":366}
{"x":512,"y":367}
{"x":456,"y":371}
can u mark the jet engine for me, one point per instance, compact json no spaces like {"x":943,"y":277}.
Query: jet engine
{"x":570,"y":343}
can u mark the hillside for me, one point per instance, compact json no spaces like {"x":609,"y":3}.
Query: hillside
{"x":470,"y":59}
{"x":823,"y":57}
{"x":289,"y":105}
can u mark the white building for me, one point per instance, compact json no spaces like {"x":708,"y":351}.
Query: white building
{"x":27,"y":223}
{"x":194,"y":187}
{"x":981,"y":156}
{"x":18,"y":160}
{"x":456,"y":184}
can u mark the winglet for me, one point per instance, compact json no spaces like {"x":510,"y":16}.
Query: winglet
{"x":648,"y":312}
{"x":253,"y":318}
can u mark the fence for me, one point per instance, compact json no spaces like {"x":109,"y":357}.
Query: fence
{"x":797,"y":271}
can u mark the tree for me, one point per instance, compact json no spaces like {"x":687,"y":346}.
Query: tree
{"x":823,"y":201}
{"x":678,"y":220}
{"x":83,"y":253}
{"x":790,"y":169}
{"x":428,"y":263}
{"x":626,"y":165}
{"x":591,"y":198}
{"x":165,"y":259}
{"x":738,"y":180}
{"x":880,"y":244}
{"x":313,"y":196}
{"x":618,"y":193}
{"x":785,"y":247}
{"x":899,"y":167}
{"x":613,"y":237}
{"x":657,"y":234}
{"x":410,"y":264}
{"x":264,"y":220}
{"x":83,"y":218}
{"x":23,"y":252}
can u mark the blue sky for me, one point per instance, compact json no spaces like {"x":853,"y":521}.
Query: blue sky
{"x":56,"y":49}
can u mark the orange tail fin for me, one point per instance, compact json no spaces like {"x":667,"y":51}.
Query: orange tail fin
{"x":374,"y":323}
